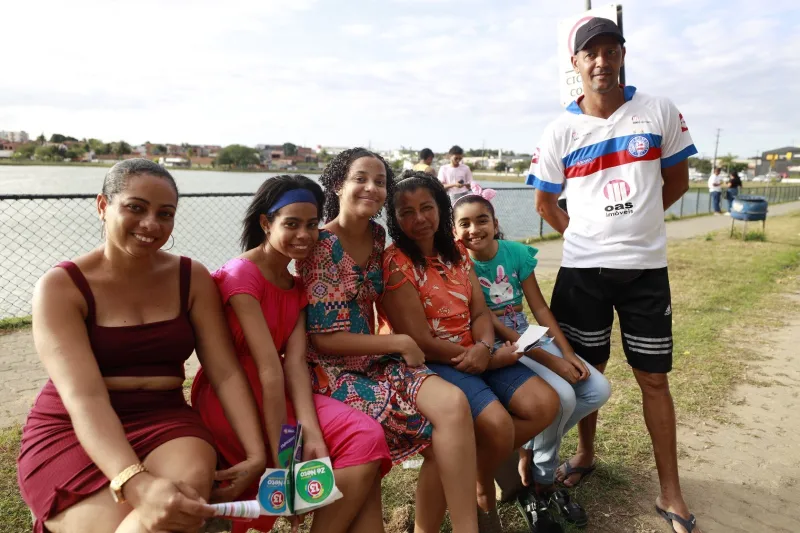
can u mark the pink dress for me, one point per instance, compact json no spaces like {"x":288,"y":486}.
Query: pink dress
{"x":352,"y":437}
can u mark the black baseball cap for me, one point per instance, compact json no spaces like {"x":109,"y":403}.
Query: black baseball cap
{"x":593,"y":28}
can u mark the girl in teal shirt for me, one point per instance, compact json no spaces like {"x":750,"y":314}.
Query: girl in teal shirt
{"x":505,"y":271}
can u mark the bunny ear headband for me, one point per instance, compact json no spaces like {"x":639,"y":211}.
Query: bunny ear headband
{"x":477,"y":190}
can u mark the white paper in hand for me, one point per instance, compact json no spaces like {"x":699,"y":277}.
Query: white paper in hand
{"x":530,"y":337}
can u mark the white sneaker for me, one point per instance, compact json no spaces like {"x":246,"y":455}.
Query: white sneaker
{"x":727,"y":214}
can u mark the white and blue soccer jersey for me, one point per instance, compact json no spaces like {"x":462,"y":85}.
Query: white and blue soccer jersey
{"x":610,"y":172}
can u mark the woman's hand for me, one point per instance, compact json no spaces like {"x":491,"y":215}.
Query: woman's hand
{"x":474,"y":360}
{"x":238,"y":478}
{"x":576,"y":361}
{"x":166,"y":506}
{"x":410,"y":352}
{"x":314,"y":447}
{"x":564,"y":368}
{"x":506,"y":355}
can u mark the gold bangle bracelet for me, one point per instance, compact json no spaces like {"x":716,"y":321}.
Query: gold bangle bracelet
{"x":123,"y":477}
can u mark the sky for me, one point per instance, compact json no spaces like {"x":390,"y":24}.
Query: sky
{"x":383,"y":73}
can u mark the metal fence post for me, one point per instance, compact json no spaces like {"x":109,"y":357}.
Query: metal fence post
{"x":541,"y":227}
{"x":697,"y":203}
{"x":681,"y":215}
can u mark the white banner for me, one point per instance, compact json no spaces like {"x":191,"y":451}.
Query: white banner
{"x":570,"y":84}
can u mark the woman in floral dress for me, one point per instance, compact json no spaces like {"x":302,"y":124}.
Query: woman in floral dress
{"x":382,"y":375}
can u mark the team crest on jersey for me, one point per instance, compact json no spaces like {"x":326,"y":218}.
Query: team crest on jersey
{"x":684,"y":127}
{"x":638,"y":146}
{"x":535,"y":156}
{"x":618,"y":193}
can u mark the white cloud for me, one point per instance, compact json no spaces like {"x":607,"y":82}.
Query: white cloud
{"x":401,"y":73}
{"x":358,"y":30}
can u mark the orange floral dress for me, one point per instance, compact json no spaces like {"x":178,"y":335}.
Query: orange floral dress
{"x":445,"y":291}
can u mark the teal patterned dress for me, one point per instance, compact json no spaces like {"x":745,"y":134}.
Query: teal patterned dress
{"x":342,"y":297}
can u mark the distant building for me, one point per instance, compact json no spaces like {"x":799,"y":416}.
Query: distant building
{"x":273,"y":154}
{"x":332,"y":150}
{"x":7,"y":149}
{"x":14,"y":136}
{"x":212,"y":150}
{"x":777,"y":161}
{"x":174,"y":162}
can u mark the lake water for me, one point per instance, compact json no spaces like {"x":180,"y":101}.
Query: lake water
{"x":37,"y":234}
{"x":87,"y":180}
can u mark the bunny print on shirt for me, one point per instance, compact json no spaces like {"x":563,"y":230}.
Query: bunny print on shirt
{"x":501,"y":290}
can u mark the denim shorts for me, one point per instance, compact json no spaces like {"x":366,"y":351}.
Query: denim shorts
{"x":482,"y":389}
{"x":516,"y":320}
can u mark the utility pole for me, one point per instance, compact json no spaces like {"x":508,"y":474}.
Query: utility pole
{"x":588,"y":5}
{"x":716,"y":146}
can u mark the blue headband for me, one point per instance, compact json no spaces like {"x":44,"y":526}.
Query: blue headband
{"x":293,"y":197}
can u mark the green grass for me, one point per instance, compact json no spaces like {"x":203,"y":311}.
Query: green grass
{"x":15,"y":323}
{"x":14,"y":514}
{"x":719,"y":286}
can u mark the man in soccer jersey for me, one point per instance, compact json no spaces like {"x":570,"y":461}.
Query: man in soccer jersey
{"x":625,"y":156}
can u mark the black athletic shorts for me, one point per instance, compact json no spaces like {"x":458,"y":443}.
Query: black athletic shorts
{"x":583,"y":303}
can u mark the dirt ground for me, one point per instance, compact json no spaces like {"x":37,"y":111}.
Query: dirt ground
{"x":744,"y":476}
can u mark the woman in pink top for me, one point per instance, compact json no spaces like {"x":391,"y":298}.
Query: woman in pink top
{"x":264,"y":305}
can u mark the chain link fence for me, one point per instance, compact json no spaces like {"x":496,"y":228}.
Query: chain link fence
{"x":38,"y":231}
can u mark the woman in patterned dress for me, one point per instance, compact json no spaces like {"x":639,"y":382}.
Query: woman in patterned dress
{"x":382,"y":375}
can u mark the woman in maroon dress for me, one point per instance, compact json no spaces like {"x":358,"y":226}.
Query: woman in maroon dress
{"x":113,"y":329}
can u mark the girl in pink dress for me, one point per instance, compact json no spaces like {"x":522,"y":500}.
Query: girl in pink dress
{"x":265,"y":308}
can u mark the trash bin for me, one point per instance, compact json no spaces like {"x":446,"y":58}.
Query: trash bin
{"x":749,"y":208}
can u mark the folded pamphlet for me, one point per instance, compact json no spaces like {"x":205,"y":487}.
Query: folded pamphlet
{"x":534,"y":337}
{"x":298,"y":487}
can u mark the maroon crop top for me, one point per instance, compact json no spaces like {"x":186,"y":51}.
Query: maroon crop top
{"x":153,"y":349}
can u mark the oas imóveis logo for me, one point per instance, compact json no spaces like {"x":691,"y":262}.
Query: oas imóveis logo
{"x":638,"y":146}
{"x":618,"y":191}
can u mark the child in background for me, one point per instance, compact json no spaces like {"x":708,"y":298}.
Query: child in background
{"x":505,"y":271}
{"x":455,"y":176}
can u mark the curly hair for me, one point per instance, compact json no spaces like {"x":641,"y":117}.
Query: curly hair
{"x":475,"y":199}
{"x":335,"y":174}
{"x":443,"y":240}
{"x":265,"y":197}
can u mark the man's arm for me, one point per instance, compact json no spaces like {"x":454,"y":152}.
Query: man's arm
{"x":676,"y":183}
{"x":547,"y":207}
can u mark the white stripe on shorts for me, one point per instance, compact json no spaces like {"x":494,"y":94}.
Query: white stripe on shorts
{"x":651,"y":352}
{"x":586,"y":338}
{"x":649,"y":345}
{"x":598,"y":333}
{"x":644,"y":345}
{"x":605,"y":340}
{"x":650,"y":340}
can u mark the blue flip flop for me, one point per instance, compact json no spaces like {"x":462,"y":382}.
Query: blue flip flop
{"x":688,"y":525}
{"x":583,"y":471}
